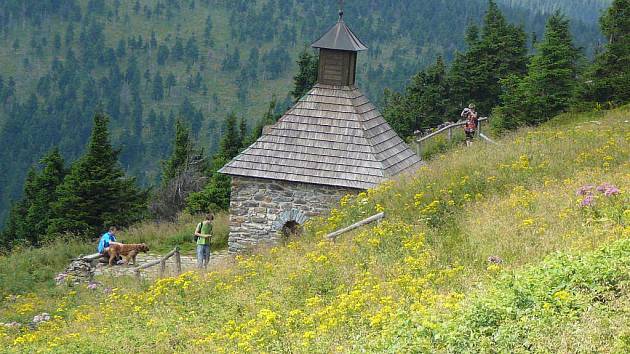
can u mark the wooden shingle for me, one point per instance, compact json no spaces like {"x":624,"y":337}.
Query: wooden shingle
{"x":332,"y":136}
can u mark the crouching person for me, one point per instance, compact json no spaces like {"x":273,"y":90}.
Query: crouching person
{"x":203,"y":235}
{"x":108,"y":239}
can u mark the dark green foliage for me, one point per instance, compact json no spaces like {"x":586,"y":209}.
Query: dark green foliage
{"x":550,"y":85}
{"x":96,"y":192}
{"x":307,"y":74}
{"x":162,"y":54}
{"x":158,"y":87}
{"x":523,"y":306}
{"x":611,"y":71}
{"x":216,"y":194}
{"x":16,"y":230}
{"x":182,"y":174}
{"x":270,"y":117}
{"x":499,"y":51}
{"x":29,"y":217}
{"x":424,"y":104}
{"x":183,"y":152}
{"x":46,"y":183}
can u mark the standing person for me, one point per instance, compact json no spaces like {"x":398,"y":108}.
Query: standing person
{"x":472,"y":120}
{"x":107,"y":239}
{"x":203,"y":235}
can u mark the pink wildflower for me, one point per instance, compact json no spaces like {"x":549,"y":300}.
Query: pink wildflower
{"x":585,"y":190}
{"x":587,"y":201}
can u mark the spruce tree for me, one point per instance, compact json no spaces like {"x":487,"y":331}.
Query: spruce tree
{"x":611,"y":70}
{"x":17,"y":225}
{"x":181,"y":155}
{"x":306,"y":76}
{"x":552,"y":77}
{"x":158,"y":87}
{"x":424,"y":104}
{"x":96,"y":192}
{"x":216,"y":194}
{"x":45,"y":186}
{"x":231,"y":141}
{"x":550,"y":85}
{"x":498,"y":51}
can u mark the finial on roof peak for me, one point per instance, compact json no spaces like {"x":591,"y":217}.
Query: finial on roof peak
{"x":340,"y":10}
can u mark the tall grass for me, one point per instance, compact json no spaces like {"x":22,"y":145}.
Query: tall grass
{"x":162,"y":237}
{"x":419,"y":281}
{"x":33,"y":269}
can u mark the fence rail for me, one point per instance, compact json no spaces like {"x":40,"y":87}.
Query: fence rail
{"x":449,"y":130}
{"x":162,"y":262}
{"x":333,"y":236}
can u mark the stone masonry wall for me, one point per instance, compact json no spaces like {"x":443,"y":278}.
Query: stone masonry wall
{"x":259,"y":208}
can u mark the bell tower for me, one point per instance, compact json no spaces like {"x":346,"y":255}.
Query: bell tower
{"x":338,"y":50}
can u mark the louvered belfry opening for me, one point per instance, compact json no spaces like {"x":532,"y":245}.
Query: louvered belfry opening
{"x":337,"y":67}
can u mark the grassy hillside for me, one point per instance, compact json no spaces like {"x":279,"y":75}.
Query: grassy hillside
{"x":418,"y":281}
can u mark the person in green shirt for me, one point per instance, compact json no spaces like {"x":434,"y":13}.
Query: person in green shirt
{"x":203,"y":234}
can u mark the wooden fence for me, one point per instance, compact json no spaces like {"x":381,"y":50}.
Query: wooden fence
{"x":162,"y":262}
{"x":333,"y":236}
{"x":420,"y":139}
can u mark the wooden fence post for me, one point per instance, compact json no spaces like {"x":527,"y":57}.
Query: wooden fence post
{"x":178,"y":261}
{"x":162,"y":268}
{"x":450,"y":134}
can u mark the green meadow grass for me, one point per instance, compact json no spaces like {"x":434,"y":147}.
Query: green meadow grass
{"x":419,"y":281}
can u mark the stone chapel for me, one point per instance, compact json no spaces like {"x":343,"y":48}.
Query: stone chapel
{"x":332,"y":142}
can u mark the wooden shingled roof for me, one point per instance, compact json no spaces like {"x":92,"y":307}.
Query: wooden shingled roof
{"x":333,"y":136}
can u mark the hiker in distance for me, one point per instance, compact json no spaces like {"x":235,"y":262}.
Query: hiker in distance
{"x":203,"y":235}
{"x":106,"y":240}
{"x":472,"y":121}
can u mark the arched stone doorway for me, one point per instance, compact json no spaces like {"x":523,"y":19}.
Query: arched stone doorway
{"x":291,"y":229}
{"x":289,"y":223}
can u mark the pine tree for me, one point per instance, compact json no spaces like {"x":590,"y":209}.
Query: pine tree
{"x":424,"y":104}
{"x":157,"y":91}
{"x":216,"y":194}
{"x":207,"y":33}
{"x":178,"y":49}
{"x":306,"y":76}
{"x":44,"y":195}
{"x":192,"y":51}
{"x":270,"y":117}
{"x":550,"y":85}
{"x":181,"y":155}
{"x":96,"y":191}
{"x":498,"y":51}
{"x":611,"y":70}
{"x":17,"y":225}
{"x":231,"y":138}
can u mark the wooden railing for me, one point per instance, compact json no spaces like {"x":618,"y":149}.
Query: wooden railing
{"x":333,"y":236}
{"x":449,"y":131}
{"x":162,"y":262}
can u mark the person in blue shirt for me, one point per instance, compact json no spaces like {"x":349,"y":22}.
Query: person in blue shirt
{"x":106,"y":240}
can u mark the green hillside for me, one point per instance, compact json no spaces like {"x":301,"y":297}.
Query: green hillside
{"x":148,"y":62}
{"x":520,"y":247}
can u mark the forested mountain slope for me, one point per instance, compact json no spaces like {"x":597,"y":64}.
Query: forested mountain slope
{"x":582,"y":10}
{"x":147,"y":62}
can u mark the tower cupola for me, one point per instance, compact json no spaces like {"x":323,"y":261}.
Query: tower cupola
{"x":338,"y":50}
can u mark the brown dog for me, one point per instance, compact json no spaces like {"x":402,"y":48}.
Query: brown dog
{"x":128,"y":252}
